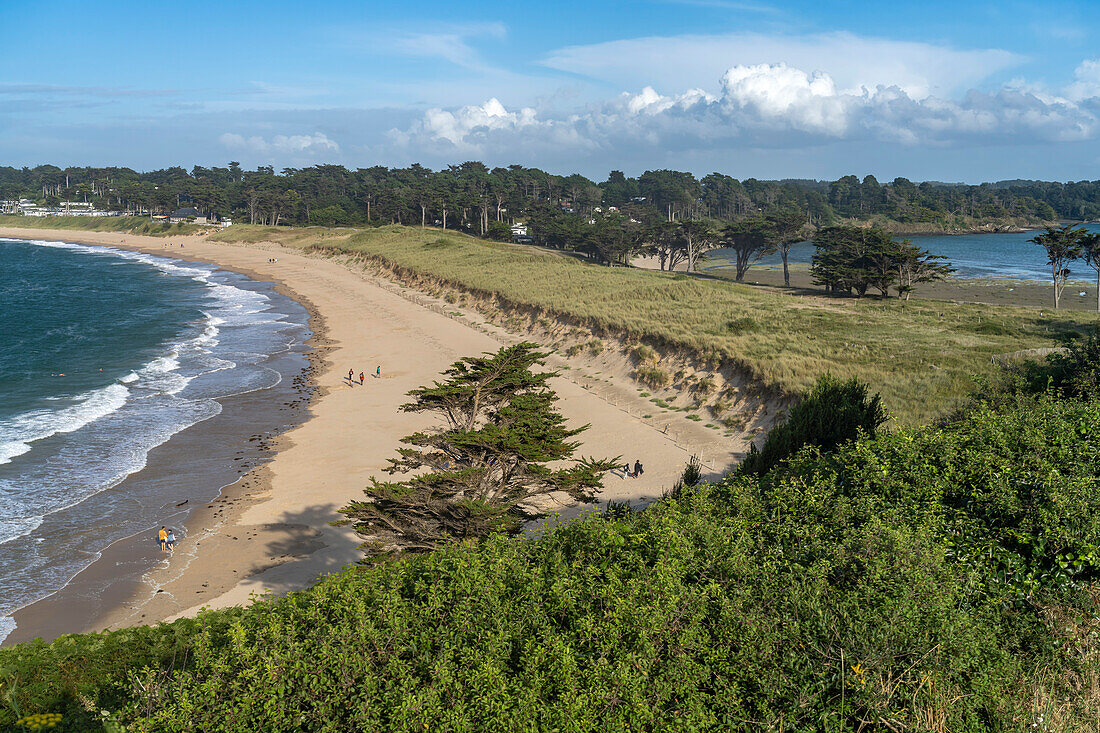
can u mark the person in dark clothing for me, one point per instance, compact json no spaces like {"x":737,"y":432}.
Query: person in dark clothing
{"x":638,"y":471}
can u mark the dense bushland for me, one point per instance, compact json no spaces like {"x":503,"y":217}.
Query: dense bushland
{"x":833,"y":412}
{"x":939,"y":578}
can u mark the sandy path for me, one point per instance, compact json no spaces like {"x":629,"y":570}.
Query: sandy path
{"x":271,"y":534}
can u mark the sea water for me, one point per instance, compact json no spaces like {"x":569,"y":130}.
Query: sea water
{"x":1002,"y":256}
{"x":104,"y":355}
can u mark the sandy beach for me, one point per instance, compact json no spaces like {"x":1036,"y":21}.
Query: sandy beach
{"x":269,"y":531}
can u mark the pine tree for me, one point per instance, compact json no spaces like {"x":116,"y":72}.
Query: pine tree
{"x":486,"y":466}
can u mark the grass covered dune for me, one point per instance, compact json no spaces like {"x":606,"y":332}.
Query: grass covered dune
{"x":122,"y":224}
{"x":919,"y":354}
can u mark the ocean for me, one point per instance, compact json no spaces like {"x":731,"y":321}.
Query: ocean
{"x":1002,"y":256}
{"x":106,"y":355}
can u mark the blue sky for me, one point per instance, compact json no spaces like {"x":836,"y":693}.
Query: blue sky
{"x":966,"y":91}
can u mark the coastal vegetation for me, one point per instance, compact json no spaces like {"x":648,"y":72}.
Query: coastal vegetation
{"x":1064,"y":245}
{"x":920,"y":355}
{"x":930,"y":578}
{"x":122,"y":224}
{"x":560,"y":210}
{"x":486,"y":468}
{"x":857,"y":259}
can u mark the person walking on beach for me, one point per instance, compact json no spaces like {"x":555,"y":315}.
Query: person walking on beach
{"x":377,"y":372}
{"x":162,"y":539}
{"x":638,"y":471}
{"x":170,"y":540}
{"x":351,"y":375}
{"x":362,"y":378}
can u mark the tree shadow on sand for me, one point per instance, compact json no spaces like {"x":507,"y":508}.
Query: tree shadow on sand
{"x":305,"y":548}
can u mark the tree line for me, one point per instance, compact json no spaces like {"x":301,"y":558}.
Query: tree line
{"x":471,"y":196}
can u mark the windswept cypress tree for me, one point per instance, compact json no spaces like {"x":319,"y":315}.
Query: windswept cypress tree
{"x":486,"y":466}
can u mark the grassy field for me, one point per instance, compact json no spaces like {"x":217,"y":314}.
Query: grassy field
{"x":124,"y":224}
{"x":920,"y":355}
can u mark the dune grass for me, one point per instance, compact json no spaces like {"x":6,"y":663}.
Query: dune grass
{"x":124,"y":224}
{"x":921,"y":355}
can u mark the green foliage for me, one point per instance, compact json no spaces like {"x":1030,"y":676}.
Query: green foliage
{"x":329,"y":216}
{"x":897,"y":578}
{"x":66,"y":675}
{"x":1073,"y":370}
{"x":644,"y":354}
{"x":499,"y":231}
{"x":1009,"y":491}
{"x":856,"y":259}
{"x":652,"y":376}
{"x":1063,"y":245}
{"x":486,"y":466}
{"x":832,"y":413}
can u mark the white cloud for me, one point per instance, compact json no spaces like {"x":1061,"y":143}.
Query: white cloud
{"x":851,"y":61}
{"x":1086,"y":80}
{"x":451,"y":43}
{"x":766,"y":105}
{"x":292,"y":145}
{"x":456,"y":127}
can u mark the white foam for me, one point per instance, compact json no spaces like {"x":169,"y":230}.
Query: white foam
{"x":7,"y":625}
{"x":13,"y":527}
{"x":19,"y":431}
{"x":154,"y":404}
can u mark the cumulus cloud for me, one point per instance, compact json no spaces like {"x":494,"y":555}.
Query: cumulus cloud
{"x":770,"y":105}
{"x":293,"y":145}
{"x":1086,"y":80}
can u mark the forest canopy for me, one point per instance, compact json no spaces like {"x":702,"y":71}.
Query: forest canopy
{"x":471,"y":196}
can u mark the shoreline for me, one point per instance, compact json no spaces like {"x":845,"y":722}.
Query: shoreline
{"x":269,"y":532}
{"x":238,"y":437}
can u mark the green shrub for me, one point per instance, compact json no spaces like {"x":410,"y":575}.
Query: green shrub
{"x":833,"y":412}
{"x":643,"y":354}
{"x":926,"y":579}
{"x":652,"y":376}
{"x":1075,"y":370}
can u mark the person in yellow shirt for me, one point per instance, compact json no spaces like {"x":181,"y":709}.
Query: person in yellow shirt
{"x":162,"y":538}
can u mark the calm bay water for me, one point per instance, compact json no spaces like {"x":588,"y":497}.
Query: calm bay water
{"x":107,"y":354}
{"x":1004,"y":256}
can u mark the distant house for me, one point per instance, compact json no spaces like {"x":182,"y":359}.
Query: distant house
{"x":519,"y":229}
{"x":187,"y":215}
{"x":638,"y":200}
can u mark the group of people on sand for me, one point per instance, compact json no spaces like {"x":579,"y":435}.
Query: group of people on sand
{"x":166,"y":538}
{"x":363,"y":376}
{"x":638,"y":470}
